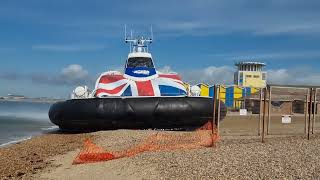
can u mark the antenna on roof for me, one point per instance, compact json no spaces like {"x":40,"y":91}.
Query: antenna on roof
{"x":131,"y":41}
{"x":125,"y":33}
{"x":138,"y":44}
{"x":151,"y":34}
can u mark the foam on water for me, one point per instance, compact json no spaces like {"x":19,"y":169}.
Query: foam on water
{"x":15,"y":141}
{"x":50,"y":128}
{"x":26,"y":115}
{"x":20,"y":121}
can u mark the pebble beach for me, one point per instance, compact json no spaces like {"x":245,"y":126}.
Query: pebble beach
{"x":50,"y":156}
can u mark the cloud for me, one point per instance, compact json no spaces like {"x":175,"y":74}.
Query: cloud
{"x":209,"y":75}
{"x":225,"y":74}
{"x":280,"y":76}
{"x":9,"y":76}
{"x":298,"y":76}
{"x":194,"y":17}
{"x":226,"y":17}
{"x":74,"y":72}
{"x":68,"y":48}
{"x":165,"y":69}
{"x":71,"y":75}
{"x":285,"y":55}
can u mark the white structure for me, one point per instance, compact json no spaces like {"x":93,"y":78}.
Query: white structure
{"x":250,"y":74}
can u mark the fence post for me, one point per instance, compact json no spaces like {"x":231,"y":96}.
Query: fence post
{"x":314,"y":109}
{"x":219,"y":107}
{"x":269,"y":110}
{"x":214,"y":108}
{"x":264,"y":113}
{"x":306,"y":112}
{"x":260,"y":112}
{"x":310,"y":111}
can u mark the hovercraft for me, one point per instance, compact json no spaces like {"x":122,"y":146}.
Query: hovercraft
{"x":140,"y":98}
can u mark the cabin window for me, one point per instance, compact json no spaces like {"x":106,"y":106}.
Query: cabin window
{"x":140,"y":62}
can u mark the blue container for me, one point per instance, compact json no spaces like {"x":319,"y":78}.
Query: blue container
{"x":229,"y":96}
{"x":211,"y":91}
{"x":246,"y":91}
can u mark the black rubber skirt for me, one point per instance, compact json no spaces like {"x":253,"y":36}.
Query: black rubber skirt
{"x":133,"y":113}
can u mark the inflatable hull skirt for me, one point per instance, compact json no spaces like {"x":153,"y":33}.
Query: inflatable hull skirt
{"x":133,"y":113}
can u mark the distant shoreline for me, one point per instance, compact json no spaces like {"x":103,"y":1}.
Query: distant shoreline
{"x":33,"y":100}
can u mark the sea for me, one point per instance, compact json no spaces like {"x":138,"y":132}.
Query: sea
{"x":21,"y":120}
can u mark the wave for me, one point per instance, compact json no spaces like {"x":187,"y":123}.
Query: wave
{"x":15,"y":141}
{"x":26,"y":115}
{"x":28,"y":110}
{"x":50,"y":128}
{"x":20,"y":121}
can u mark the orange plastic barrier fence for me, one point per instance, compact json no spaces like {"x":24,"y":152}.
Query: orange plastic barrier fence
{"x":202,"y":137}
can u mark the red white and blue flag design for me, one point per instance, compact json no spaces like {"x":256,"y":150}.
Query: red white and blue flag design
{"x":122,"y":85}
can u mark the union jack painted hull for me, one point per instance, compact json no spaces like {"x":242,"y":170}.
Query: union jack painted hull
{"x":125,"y":85}
{"x":137,"y":99}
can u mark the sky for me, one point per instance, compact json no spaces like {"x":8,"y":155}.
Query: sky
{"x":47,"y":48}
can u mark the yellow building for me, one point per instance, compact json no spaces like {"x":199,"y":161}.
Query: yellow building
{"x":204,"y":89}
{"x":222,"y":94}
{"x":250,"y":74}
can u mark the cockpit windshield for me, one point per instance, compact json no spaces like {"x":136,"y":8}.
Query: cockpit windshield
{"x":140,"y":62}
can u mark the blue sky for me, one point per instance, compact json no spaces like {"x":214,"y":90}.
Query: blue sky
{"x":49,"y":47}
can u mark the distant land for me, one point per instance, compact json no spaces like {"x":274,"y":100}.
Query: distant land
{"x":17,"y":98}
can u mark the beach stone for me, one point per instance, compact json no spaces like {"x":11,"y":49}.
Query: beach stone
{"x":20,"y":173}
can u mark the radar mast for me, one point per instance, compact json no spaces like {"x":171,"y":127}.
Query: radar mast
{"x":140,"y":43}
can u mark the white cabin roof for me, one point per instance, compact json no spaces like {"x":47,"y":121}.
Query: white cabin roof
{"x":139,"y":54}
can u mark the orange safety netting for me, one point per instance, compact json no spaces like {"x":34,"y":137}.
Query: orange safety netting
{"x":202,"y":137}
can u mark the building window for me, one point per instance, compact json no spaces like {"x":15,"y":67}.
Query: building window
{"x":236,"y":78}
{"x":241,"y":78}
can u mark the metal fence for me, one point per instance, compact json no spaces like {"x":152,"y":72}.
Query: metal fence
{"x":272,"y":111}
{"x":300,"y":115}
